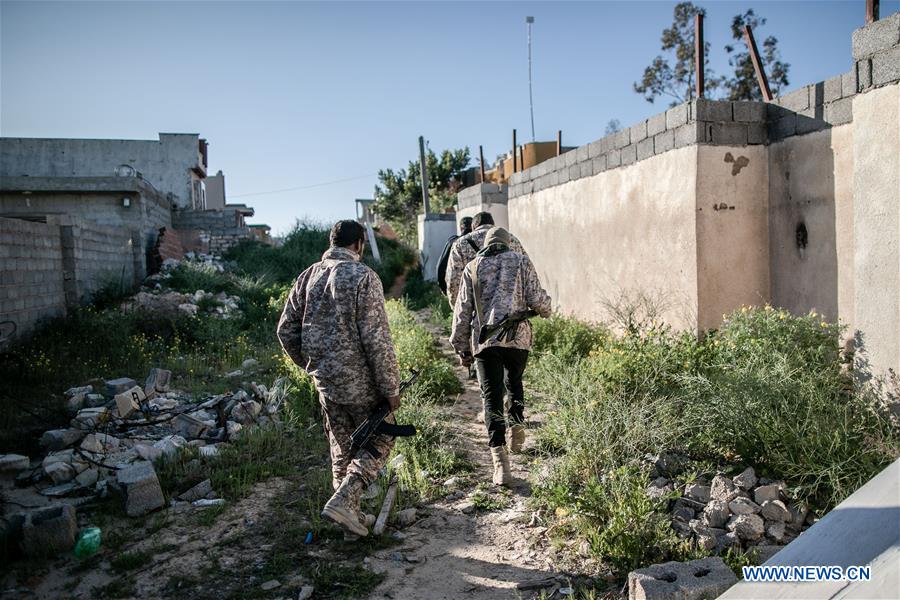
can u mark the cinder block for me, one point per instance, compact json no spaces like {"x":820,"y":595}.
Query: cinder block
{"x":834,"y":88}
{"x":570,"y":158}
{"x":563,"y":176}
{"x":613,"y":158}
{"x":599,"y":164}
{"x":664,"y":141}
{"x":622,"y":138}
{"x":816,"y":94}
{"x":597,"y":148}
{"x":711,"y":110}
{"x":886,"y":66}
{"x":808,"y":124}
{"x":864,"y":74}
{"x":582,"y":153}
{"x":629,"y":154}
{"x":876,"y":37}
{"x":677,"y":116}
{"x":552,"y":178}
{"x":645,"y":149}
{"x":639,"y":132}
{"x":840,"y":112}
{"x":749,"y":112}
{"x":848,"y":83}
{"x":574,"y":171}
{"x":796,"y":101}
{"x":587,"y":168}
{"x":656,"y":124}
{"x":728,"y":134}
{"x":756,"y":133}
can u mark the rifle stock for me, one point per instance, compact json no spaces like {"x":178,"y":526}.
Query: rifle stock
{"x":374,"y":425}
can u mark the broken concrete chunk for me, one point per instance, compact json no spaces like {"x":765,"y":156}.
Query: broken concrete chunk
{"x":170,"y":444}
{"x":775,"y":510}
{"x":158,"y":381}
{"x":49,"y":530}
{"x":150,"y":453}
{"x":743,"y":506}
{"x":75,"y":403}
{"x":88,"y":418}
{"x":747,"y":527}
{"x":703,"y":578}
{"x":249,"y":364}
{"x":60,"y":472}
{"x":716,"y":513}
{"x":99,"y":443}
{"x":163,"y":403}
{"x":775,"y":531}
{"x":13,"y":462}
{"x":129,"y":401}
{"x":764,"y":493}
{"x":88,"y":477}
{"x":94,"y":400}
{"x":142,"y":490}
{"x":698,"y":492}
{"x":79,"y":391}
{"x":246,"y":412}
{"x":233,"y":429}
{"x":188,"y":427}
{"x":723,"y":489}
{"x":114,"y":387}
{"x":746,"y":480}
{"x":406,"y":517}
{"x":201,"y":490}
{"x":57,"y":439}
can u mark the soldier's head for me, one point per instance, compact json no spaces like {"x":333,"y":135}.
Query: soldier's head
{"x":482,"y":218}
{"x":465,"y":225}
{"x":496,"y":235}
{"x":348,"y":234}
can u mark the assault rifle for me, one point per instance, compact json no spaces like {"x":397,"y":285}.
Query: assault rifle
{"x":508,"y":327}
{"x":374,"y":425}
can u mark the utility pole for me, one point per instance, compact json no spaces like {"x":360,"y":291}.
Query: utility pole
{"x":424,"y":171}
{"x":530,"y":22}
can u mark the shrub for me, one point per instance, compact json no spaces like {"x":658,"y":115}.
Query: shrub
{"x":566,"y":338}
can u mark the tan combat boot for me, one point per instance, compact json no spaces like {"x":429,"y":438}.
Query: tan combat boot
{"x":367,"y":521}
{"x":516,"y":437}
{"x":502,"y":471}
{"x":343,"y":507}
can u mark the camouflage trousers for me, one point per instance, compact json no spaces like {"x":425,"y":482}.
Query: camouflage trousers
{"x":341,"y":420}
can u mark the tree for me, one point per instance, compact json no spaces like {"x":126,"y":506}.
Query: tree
{"x":677,"y":80}
{"x":613,"y":126}
{"x":744,"y":86}
{"x":398,"y":197}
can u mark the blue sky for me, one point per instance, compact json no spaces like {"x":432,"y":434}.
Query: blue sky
{"x":293,"y":94}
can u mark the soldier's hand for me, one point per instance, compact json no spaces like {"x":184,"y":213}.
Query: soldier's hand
{"x":394,"y":402}
{"x":465,"y":359}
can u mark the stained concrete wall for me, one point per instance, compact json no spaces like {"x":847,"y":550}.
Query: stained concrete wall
{"x":434,"y":230}
{"x":484,"y":197}
{"x":626,"y":229}
{"x":166,"y":163}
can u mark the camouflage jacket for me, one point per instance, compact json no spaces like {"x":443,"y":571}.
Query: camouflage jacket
{"x":463,"y":253}
{"x":334,"y":326}
{"x":508,"y":283}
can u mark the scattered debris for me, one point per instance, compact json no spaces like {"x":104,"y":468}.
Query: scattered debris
{"x":13,"y":462}
{"x":49,"y":531}
{"x":142,"y":490}
{"x":703,"y":578}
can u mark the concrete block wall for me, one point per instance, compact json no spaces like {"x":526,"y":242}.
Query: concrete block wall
{"x":484,"y":197}
{"x":102,"y":257}
{"x":219,"y":227}
{"x":31,"y":267}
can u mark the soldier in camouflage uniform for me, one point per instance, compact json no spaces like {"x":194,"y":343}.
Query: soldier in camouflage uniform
{"x":498,"y":283}
{"x":466,"y":247}
{"x":334,"y":326}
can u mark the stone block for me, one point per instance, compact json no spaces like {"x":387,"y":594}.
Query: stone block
{"x":201,"y":490}
{"x":747,"y":527}
{"x":621,"y":138}
{"x":664,"y":141}
{"x":723,"y":489}
{"x":117,"y":386}
{"x":749,"y":112}
{"x":690,"y":134}
{"x":142,"y":490}
{"x":552,"y":179}
{"x":57,"y":439}
{"x":129,"y":401}
{"x":711,"y":110}
{"x":597,"y":148}
{"x":599,"y":164}
{"x":744,"y":506}
{"x":746,"y":480}
{"x":49,"y":531}
{"x":656,"y":124}
{"x":693,"y":580}
{"x":629,"y":154}
{"x":571,"y":157}
{"x":677,"y":115}
{"x":775,"y":510}
{"x":840,"y":112}
{"x":88,"y":477}
{"x":864,"y":74}
{"x":99,"y":443}
{"x":796,"y":101}
{"x":876,"y":37}
{"x":816,"y":95}
{"x":645,"y":149}
{"x":886,"y":67}
{"x":639,"y":132}
{"x":13,"y":463}
{"x":697,"y":492}
{"x":728,"y":134}
{"x":587,"y":168}
{"x":766,"y":493}
{"x":574,"y":172}
{"x":833,"y":88}
{"x":563,"y":175}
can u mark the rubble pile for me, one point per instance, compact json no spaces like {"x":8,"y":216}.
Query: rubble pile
{"x":113,"y":439}
{"x":742,"y":512}
{"x":156,"y":298}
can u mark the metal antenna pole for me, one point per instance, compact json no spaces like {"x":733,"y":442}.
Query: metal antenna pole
{"x":530,"y":22}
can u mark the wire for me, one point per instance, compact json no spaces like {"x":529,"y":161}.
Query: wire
{"x":302,"y":187}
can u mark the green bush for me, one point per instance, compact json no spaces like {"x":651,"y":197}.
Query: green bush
{"x":566,"y":339}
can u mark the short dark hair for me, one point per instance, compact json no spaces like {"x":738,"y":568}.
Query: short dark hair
{"x":465,"y":224}
{"x":482,"y":218}
{"x":346,"y":233}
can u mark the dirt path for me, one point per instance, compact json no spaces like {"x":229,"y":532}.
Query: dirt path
{"x":476,"y":554}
